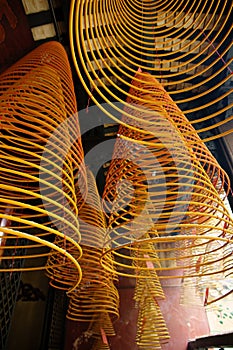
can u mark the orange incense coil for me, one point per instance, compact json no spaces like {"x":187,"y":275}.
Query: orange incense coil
{"x":25,"y":252}
{"x":212,"y":220}
{"x":39,"y":109}
{"x":139,"y":97}
{"x":146,"y":175}
{"x":147,"y":290}
{"x":151,"y":327}
{"x":186,"y":46}
{"x":62,"y":273}
{"x":97,"y":293}
{"x":100,"y":329}
{"x":103,"y":325}
{"x":190,"y":293}
{"x":91,"y":217}
{"x":157,"y":184}
{"x":97,"y":301}
{"x":40,"y":155}
{"x":156,"y":142}
{"x":147,"y":281}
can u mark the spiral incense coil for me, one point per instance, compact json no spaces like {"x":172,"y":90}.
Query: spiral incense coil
{"x":91,"y":217}
{"x":100,"y":329}
{"x":25,"y":252}
{"x":40,"y":157}
{"x":103,"y":325}
{"x":189,"y":291}
{"x":158,"y":184}
{"x":90,"y":222}
{"x":145,"y":285}
{"x":150,"y":283}
{"x":147,"y":291}
{"x":84,"y":309}
{"x":186,"y":46}
{"x":187,"y":265}
{"x":62,"y":274}
{"x":202,"y":289}
{"x":163,"y":100}
{"x":160,"y":153}
{"x":151,"y":327}
{"x":39,"y":108}
{"x":97,"y":294}
{"x":153,"y":174}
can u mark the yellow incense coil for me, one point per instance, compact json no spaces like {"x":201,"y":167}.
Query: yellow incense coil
{"x":151,"y":283}
{"x":190,"y":293}
{"x":186,"y":265}
{"x":62,"y":274}
{"x":211,"y":273}
{"x":40,"y":155}
{"x":25,"y":252}
{"x":138,"y":98}
{"x":103,"y":323}
{"x":97,"y":294}
{"x":186,"y":46}
{"x":91,"y":217}
{"x":113,"y":40}
{"x":39,"y":109}
{"x":151,"y":327}
{"x":97,"y":301}
{"x":158,"y":185}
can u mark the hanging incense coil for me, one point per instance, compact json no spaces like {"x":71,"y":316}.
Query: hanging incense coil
{"x":157,"y":184}
{"x":97,"y":294}
{"x":40,"y":155}
{"x":171,"y":167}
{"x":175,"y":255}
{"x":151,"y":327}
{"x":39,"y":106}
{"x":100,"y":330}
{"x":202,"y":178}
{"x":149,"y":284}
{"x":25,"y":252}
{"x":148,"y":170}
{"x":139,"y":98}
{"x":189,"y":292}
{"x":187,"y":47}
{"x":60,"y":273}
{"x":103,"y":325}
